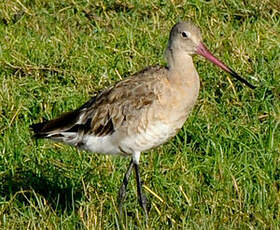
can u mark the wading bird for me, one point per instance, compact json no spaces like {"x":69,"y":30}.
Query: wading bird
{"x":140,"y":112}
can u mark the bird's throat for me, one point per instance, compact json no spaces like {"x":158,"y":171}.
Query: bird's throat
{"x":181,"y":67}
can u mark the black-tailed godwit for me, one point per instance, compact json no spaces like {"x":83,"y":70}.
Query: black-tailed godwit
{"x":140,"y":112}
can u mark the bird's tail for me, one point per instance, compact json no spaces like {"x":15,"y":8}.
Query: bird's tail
{"x":38,"y":130}
{"x":54,"y":128}
{"x":64,"y":128}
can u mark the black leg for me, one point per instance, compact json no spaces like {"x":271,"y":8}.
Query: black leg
{"x":122,"y":191}
{"x":141,"y":195}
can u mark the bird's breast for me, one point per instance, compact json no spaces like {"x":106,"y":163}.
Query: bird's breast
{"x":179,"y":99}
{"x":162,"y":120}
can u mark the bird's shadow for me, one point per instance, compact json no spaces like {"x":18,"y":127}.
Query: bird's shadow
{"x":25,"y":184}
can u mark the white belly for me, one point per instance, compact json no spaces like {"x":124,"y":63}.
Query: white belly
{"x":153,"y":136}
{"x":117,"y":143}
{"x":105,"y":144}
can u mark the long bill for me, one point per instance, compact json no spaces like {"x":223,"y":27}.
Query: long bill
{"x":203,"y":51}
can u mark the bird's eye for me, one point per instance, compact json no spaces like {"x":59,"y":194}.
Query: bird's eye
{"x":185,"y":34}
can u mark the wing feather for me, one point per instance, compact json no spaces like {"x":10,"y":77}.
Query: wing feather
{"x":105,"y":113}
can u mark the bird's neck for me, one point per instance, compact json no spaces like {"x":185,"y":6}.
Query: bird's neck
{"x":180,"y":64}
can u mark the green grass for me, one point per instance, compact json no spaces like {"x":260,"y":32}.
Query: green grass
{"x":222,"y":171}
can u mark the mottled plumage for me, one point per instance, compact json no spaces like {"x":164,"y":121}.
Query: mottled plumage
{"x":141,"y":111}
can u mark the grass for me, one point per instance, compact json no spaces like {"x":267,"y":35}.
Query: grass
{"x":222,"y":171}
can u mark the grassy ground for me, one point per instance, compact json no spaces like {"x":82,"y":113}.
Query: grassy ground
{"x":222,"y":171}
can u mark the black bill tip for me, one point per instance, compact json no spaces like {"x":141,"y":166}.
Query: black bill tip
{"x":235,"y":75}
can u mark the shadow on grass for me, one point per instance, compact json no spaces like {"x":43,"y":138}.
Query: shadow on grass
{"x":61,"y":198}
